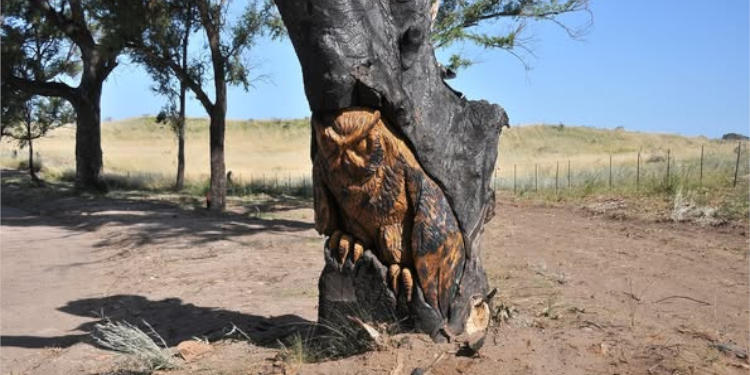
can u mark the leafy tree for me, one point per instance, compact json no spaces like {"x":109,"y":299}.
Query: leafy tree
{"x":49,"y":44}
{"x":161,"y":49}
{"x":474,"y":21}
{"x":32,"y":120}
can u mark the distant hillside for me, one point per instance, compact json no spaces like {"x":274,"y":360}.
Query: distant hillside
{"x":281,"y":147}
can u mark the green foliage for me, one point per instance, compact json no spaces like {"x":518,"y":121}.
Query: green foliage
{"x":473,"y":21}
{"x":35,"y":117}
{"x":46,"y":44}
{"x":169,"y":26}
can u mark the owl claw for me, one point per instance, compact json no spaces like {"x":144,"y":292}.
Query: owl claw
{"x":408,"y":281}
{"x":393,"y":272}
{"x":343,"y":246}
{"x":333,"y":241}
{"x":357,"y":251}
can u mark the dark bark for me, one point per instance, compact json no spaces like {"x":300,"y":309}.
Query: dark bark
{"x":377,"y":54}
{"x":218,"y":170}
{"x":88,"y":138}
{"x":30,"y":139}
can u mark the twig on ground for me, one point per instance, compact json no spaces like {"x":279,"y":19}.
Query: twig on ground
{"x":730,"y":348}
{"x":631,"y":295}
{"x":683,"y":297}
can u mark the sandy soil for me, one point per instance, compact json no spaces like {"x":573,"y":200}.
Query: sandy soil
{"x":585,"y":293}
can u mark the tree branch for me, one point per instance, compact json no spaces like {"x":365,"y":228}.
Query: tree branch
{"x":74,"y":28}
{"x":183,"y":75}
{"x":44,"y":88}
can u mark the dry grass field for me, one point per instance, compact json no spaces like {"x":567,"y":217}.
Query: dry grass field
{"x":273,"y":156}
{"x":280,"y":147}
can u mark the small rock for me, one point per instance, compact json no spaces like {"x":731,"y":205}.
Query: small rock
{"x":604,"y":348}
{"x":191,"y":349}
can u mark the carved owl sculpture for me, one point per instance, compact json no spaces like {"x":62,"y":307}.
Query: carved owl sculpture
{"x":371,"y":193}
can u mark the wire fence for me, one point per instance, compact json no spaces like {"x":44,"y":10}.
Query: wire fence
{"x":615,"y":171}
{"x":625,"y":171}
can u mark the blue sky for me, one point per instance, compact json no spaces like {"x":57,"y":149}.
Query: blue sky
{"x":664,"y":66}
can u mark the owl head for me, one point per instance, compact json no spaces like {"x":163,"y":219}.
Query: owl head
{"x":350,"y":142}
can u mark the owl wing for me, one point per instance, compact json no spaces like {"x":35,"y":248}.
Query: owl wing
{"x":326,"y":219}
{"x":437,"y":243}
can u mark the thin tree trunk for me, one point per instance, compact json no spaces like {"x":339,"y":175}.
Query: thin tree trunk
{"x":181,"y":121}
{"x":181,"y":141}
{"x":218,"y":169}
{"x":30,"y":139}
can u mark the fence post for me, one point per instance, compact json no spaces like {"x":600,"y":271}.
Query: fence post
{"x":557,"y":172}
{"x":610,"y":171}
{"x":669,"y":152}
{"x":638,"y":172}
{"x":514,"y":178}
{"x":536,"y":178}
{"x":737,"y":165}
{"x":700,"y":179}
{"x":568,"y":174}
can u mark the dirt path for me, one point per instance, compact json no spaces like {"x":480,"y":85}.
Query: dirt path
{"x":585,"y":294}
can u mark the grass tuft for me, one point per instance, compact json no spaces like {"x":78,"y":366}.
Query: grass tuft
{"x":130,"y":340}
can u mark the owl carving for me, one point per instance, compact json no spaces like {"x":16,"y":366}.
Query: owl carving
{"x":371,"y":193}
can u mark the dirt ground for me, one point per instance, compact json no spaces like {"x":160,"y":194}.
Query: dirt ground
{"x":580,"y":292}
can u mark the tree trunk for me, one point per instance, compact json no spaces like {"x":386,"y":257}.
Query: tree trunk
{"x":181,"y":125}
{"x":88,"y":140}
{"x":377,"y":55}
{"x":218,"y":169}
{"x":181,"y":141}
{"x":210,"y":18}
{"x":32,"y":173}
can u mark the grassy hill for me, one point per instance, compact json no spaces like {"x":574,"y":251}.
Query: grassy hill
{"x":277,"y":151}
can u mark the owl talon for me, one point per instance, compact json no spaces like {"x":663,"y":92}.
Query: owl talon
{"x":345,"y":244}
{"x":357,"y":251}
{"x":393,"y":272}
{"x":333,"y":241}
{"x":408,"y":282}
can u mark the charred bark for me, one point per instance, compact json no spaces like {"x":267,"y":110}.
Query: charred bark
{"x":377,"y":55}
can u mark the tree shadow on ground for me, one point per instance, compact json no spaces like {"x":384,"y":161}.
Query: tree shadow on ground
{"x":150,"y":218}
{"x":172,"y":319}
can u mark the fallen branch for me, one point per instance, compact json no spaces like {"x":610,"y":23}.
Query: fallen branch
{"x":684,"y":297}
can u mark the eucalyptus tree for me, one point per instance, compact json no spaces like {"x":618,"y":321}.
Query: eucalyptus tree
{"x":66,"y":49}
{"x":161,"y":48}
{"x":32,"y":119}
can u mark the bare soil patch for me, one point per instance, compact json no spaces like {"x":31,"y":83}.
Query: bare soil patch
{"x":579,"y":292}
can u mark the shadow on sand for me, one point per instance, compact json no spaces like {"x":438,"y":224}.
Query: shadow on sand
{"x":172,"y":319}
{"x":151,"y":219}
